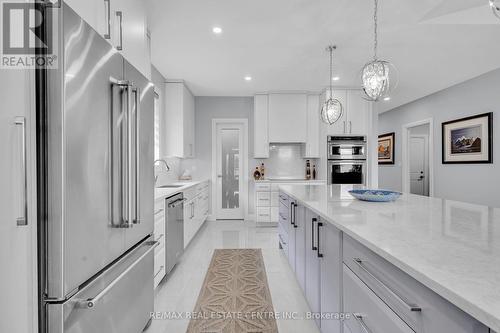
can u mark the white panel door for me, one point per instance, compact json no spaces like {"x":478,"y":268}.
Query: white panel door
{"x":418,"y":165}
{"x":18,"y":310}
{"x":229,"y":165}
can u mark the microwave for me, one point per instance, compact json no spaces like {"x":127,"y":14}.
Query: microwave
{"x":346,"y":147}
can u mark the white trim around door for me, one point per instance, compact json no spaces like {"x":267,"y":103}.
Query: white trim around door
{"x":243,"y":195}
{"x":405,"y":156}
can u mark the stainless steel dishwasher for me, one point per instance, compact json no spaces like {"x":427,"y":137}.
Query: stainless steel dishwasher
{"x":174,"y":230}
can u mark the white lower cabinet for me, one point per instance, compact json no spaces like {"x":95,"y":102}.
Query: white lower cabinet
{"x":195,"y":210}
{"x":159,"y":236}
{"x":338,"y":275}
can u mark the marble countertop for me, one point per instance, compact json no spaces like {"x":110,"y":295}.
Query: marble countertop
{"x":451,"y":247}
{"x":163,"y":193}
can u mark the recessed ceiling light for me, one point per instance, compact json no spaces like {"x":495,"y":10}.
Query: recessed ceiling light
{"x":248,"y":78}
{"x":335,"y":78}
{"x":387,"y":98}
{"x":217,"y":30}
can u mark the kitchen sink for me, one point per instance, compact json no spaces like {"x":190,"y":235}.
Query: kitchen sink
{"x":169,"y":186}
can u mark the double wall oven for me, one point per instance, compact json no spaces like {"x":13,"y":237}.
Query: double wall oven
{"x":347,"y":160}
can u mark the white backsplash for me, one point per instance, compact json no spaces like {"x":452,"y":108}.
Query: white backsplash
{"x":286,"y":161}
{"x":171,"y":176}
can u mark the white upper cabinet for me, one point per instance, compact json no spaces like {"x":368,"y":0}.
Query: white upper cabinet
{"x":123,"y":24}
{"x":313,"y":123}
{"x":179,"y":121}
{"x":355,"y":115}
{"x":358,"y":115}
{"x":261,"y":126}
{"x":287,"y":118}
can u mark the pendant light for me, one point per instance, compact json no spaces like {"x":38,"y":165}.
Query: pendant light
{"x":495,"y":7}
{"x":375,"y":74}
{"x":332,"y":108}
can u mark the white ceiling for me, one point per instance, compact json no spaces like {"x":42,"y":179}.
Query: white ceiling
{"x":281,"y":43}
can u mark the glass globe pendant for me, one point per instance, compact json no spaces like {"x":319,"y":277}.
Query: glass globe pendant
{"x":375,"y":74}
{"x":332,"y":109}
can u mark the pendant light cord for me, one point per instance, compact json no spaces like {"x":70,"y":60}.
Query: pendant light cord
{"x":375,"y":28}
{"x":331,"y":71}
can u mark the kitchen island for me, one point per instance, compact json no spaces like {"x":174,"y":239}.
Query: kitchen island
{"x":451,"y":248}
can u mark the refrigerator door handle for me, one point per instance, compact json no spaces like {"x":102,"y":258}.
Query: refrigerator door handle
{"x":23,"y":220}
{"x":130,"y":157}
{"x":125,"y":135}
{"x":91,"y":302}
{"x":137,"y":94}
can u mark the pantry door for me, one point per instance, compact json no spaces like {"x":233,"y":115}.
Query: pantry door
{"x":230,"y":159}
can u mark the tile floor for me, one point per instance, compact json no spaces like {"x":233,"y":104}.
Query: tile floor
{"x":179,"y":292}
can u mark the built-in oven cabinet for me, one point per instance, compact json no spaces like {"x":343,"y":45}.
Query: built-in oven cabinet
{"x":355,"y":115}
{"x":419,"y":308}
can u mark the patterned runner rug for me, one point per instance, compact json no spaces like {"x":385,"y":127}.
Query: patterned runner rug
{"x":235,"y":296}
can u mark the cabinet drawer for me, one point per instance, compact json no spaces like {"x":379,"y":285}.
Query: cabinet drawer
{"x":284,"y":199}
{"x":402,"y":293}
{"x":160,"y":238}
{"x":263,"y":199}
{"x":262,"y":187}
{"x":367,"y":312}
{"x":275,"y":199}
{"x":263,"y":214}
{"x":189,"y":193}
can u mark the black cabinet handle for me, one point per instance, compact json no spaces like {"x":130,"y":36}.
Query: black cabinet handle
{"x":314,"y":248}
{"x":295,"y":215}
{"x":320,"y":255}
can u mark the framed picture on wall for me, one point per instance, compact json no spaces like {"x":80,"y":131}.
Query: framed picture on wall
{"x":468,"y":140}
{"x":386,"y":148}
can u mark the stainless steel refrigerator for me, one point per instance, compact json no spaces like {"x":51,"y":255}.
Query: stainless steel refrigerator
{"x":96,"y":154}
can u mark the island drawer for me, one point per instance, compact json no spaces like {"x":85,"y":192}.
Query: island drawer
{"x":263,"y":214}
{"x":263,"y":199}
{"x":421,"y":308}
{"x":368,"y":313}
{"x":262,"y":187}
{"x":284,"y":199}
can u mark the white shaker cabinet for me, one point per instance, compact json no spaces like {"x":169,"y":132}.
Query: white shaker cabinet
{"x":261,"y":126}
{"x":179,"y":121}
{"x":358,"y":113}
{"x":287,"y":118}
{"x":123,"y":23}
{"x":312,"y":146}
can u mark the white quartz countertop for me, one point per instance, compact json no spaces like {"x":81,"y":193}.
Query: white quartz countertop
{"x":451,"y":247}
{"x":163,"y":193}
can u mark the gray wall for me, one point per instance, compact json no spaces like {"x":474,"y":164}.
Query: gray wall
{"x":476,"y":183}
{"x":206,"y":109}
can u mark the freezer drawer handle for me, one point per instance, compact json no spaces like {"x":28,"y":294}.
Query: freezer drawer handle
{"x":361,"y":322}
{"x":91,"y":302}
{"x":409,"y":306}
{"x":23,"y":220}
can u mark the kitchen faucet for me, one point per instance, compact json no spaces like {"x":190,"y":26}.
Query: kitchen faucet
{"x":166,"y":165}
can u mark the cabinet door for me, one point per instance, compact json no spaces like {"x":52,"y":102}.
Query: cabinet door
{"x":94,"y":12}
{"x":261,"y":126}
{"x":287,"y":118}
{"x":312,"y":290}
{"x":129,"y":33}
{"x":188,"y":222}
{"x":331,"y":274}
{"x":292,"y":234}
{"x":17,"y":235}
{"x":188,"y":124}
{"x":313,"y":120}
{"x":300,"y":246}
{"x":358,"y":113}
{"x":340,"y":126}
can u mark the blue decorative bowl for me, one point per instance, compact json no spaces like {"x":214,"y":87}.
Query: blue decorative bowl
{"x":375,"y":195}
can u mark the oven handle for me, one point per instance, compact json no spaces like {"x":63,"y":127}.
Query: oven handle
{"x":350,"y":162}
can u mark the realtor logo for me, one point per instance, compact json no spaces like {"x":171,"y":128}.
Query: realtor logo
{"x":28,"y":39}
